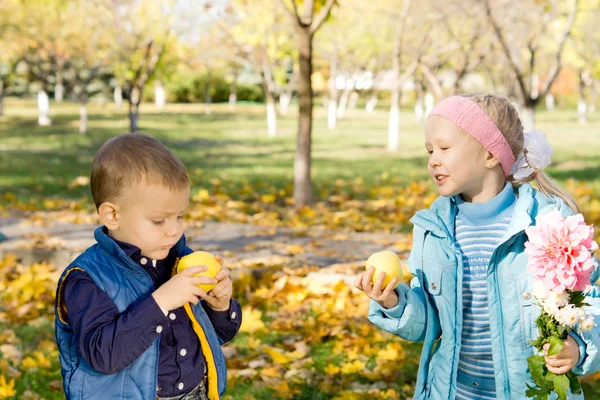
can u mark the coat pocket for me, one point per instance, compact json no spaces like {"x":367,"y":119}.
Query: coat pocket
{"x":529,"y":310}
{"x":438,"y":275}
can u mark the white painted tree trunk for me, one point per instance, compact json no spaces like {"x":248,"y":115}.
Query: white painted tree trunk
{"x":353,"y":100}
{"x":284,"y":103}
{"x":160,"y":98}
{"x":59,"y":93}
{"x":83,"y":118}
{"x":394,"y":125}
{"x":582,"y":109}
{"x":232,"y":101}
{"x":528,"y":118}
{"x":419,"y":111}
{"x":594,"y":96}
{"x":118,"y":96}
{"x":271,"y":116}
{"x":429,"y":103}
{"x":332,"y":114}
{"x":341,"y":109}
{"x":550,"y":103}
{"x":371,"y":103}
{"x":43,"y":109}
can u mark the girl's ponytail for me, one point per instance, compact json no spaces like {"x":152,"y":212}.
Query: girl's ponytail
{"x":548,"y":186}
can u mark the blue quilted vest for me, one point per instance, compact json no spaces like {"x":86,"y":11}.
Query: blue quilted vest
{"x":126,"y":283}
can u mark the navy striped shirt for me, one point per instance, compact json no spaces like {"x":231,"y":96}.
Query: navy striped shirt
{"x":479,"y":229}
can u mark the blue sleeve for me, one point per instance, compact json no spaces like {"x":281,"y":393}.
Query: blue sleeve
{"x":589,"y":363}
{"x":108,"y":340}
{"x":226,"y":323}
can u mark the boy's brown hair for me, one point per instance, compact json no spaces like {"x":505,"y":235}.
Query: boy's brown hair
{"x":128,"y":159}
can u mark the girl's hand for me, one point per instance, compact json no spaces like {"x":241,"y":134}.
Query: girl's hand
{"x":564,"y":361}
{"x":386,"y":297}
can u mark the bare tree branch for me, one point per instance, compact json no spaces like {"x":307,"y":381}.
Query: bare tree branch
{"x":292,"y":13}
{"x":553,"y":73}
{"x":505,"y":48}
{"x":322,"y":16}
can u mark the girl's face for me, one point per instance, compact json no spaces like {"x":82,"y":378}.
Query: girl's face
{"x":458,"y":163}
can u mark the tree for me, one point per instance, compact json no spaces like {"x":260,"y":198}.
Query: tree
{"x":582,"y":56}
{"x":307,"y":22}
{"x":533,"y":36}
{"x":257,"y":37}
{"x":143,"y":32}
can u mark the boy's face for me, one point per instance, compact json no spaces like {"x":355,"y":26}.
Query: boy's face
{"x":150,"y":217}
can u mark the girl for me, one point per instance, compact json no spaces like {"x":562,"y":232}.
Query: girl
{"x":470,"y":300}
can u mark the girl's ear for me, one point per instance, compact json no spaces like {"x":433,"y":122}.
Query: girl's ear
{"x":109,"y":214}
{"x":491,"y":161}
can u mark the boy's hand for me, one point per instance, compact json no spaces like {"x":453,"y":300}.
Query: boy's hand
{"x":182,"y":288}
{"x":218,"y":298}
{"x":387,"y":296}
{"x":565,"y":360}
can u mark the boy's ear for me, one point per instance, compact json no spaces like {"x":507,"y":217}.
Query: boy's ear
{"x":109,"y":214}
{"x":491,"y":161}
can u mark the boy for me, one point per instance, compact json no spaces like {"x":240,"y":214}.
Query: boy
{"x":125,"y":327}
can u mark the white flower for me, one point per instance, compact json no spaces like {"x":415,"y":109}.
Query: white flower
{"x":567,"y":316}
{"x":580,"y":314}
{"x":560,"y":300}
{"x":587,"y":324}
{"x":538,"y":291}
{"x":549,"y":306}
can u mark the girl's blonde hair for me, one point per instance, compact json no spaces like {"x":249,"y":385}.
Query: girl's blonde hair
{"x":506,"y":118}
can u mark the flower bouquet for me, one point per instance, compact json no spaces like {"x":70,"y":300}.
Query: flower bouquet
{"x":560,"y":260}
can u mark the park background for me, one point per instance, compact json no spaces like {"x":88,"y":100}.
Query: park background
{"x":301,"y":125}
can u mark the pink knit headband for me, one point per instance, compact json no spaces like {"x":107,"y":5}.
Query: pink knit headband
{"x":469,"y":117}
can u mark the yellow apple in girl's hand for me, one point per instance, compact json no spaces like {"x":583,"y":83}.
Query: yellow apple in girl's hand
{"x":388,"y":262}
{"x":201,"y":258}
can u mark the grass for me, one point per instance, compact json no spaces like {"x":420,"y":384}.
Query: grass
{"x":43,"y":162}
{"x":38,"y":163}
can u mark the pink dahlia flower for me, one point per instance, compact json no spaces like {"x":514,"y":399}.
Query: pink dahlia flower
{"x":559,"y":251}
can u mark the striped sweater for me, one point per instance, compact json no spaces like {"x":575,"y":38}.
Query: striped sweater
{"x":479,"y":229}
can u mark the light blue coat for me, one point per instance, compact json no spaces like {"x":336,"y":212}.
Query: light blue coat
{"x":430,"y":310}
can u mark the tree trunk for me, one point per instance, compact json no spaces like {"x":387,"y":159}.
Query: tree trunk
{"x":284,"y":103}
{"x":582,"y":103}
{"x":594,"y":96}
{"x":528,"y":117}
{"x":43,"y":109}
{"x":371,"y":103}
{"x":59,"y":88}
{"x":160,"y":96}
{"x":271,"y":115}
{"x":302,"y":179}
{"x":353,"y":100}
{"x":118,"y":96}
{"x":135,"y":98}
{"x":550,"y":104}
{"x":232,"y":95}
{"x":332,"y":107}
{"x":394,"y":123}
{"x":341,"y":110}
{"x":1,"y":97}
{"x":429,"y":103}
{"x":83,"y":117}
{"x":207,"y":101}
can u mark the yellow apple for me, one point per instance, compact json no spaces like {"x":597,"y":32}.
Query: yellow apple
{"x":201,"y":258}
{"x":388,"y":262}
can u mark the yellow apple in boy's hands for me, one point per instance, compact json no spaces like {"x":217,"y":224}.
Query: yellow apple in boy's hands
{"x":388,"y":262}
{"x":201,"y":258}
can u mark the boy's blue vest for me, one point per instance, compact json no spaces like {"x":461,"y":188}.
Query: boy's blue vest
{"x":126,"y":283}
